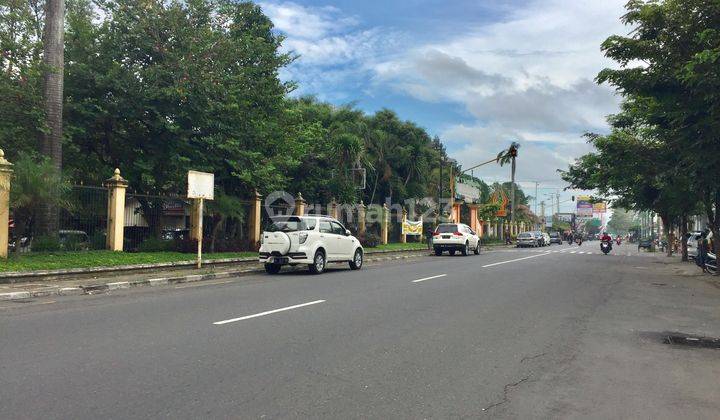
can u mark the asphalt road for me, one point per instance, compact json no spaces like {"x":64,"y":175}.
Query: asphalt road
{"x":561,"y":331}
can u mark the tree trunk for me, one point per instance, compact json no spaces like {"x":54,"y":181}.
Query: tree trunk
{"x":683,"y":236}
{"x":215,"y":231}
{"x":53,"y":61}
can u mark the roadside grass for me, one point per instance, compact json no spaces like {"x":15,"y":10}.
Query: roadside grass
{"x":398,"y":246}
{"x":85,"y":259}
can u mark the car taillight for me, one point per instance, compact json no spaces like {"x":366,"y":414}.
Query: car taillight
{"x":303,"y":237}
{"x":436,"y":233}
{"x":457,"y":233}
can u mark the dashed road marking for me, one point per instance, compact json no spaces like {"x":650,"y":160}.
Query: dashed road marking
{"x":287,"y":308}
{"x":516,"y":259}
{"x":429,"y":278}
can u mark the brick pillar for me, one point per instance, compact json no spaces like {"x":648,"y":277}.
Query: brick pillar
{"x":116,"y":211}
{"x":5,"y":175}
{"x":481,"y":228}
{"x":456,"y":211}
{"x":333,"y":209}
{"x":300,"y":205}
{"x":255,"y":220}
{"x":384,"y":222}
{"x":473,"y":217}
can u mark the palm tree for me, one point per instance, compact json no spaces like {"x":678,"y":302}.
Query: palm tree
{"x":53,"y":61}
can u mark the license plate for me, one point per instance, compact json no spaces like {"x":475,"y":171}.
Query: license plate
{"x":446,"y":237}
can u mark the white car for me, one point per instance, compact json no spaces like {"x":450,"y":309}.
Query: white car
{"x":692,"y":243}
{"x":454,"y":237}
{"x":546,"y":239}
{"x":311,"y":240}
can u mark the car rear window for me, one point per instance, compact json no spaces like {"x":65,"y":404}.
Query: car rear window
{"x":525,"y":235}
{"x":447,"y":228}
{"x":290,"y":224}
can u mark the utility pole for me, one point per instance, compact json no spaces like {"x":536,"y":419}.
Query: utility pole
{"x":536,"y":196}
{"x":542,"y":218}
{"x":512,"y":187}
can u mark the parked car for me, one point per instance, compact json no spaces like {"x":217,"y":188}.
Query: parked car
{"x":645,"y":243}
{"x":74,"y":240}
{"x":527,"y":239}
{"x":555,"y":238}
{"x":311,"y":240}
{"x":454,"y":237}
{"x":692,"y":244}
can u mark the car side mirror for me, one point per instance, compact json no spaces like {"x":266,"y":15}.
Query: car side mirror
{"x":347,"y":232}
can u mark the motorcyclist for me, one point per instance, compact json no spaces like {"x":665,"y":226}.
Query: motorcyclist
{"x":605,"y":238}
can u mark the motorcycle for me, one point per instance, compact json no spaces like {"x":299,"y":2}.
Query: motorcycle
{"x":711,"y":263}
{"x":605,"y":247}
{"x":618,"y":241}
{"x":578,"y":241}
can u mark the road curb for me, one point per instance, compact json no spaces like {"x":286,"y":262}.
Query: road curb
{"x":92,"y":289}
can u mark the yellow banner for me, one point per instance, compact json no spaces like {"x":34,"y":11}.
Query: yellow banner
{"x":412,"y":228}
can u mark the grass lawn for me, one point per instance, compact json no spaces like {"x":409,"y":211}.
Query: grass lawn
{"x":398,"y":246}
{"x":83,"y":259}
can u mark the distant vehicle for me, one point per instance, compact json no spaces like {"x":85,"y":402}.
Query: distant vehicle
{"x":645,"y":243}
{"x":546,"y":239}
{"x":75,"y":240}
{"x":692,"y":244}
{"x":454,"y":237}
{"x":555,"y":238}
{"x":527,"y":239}
{"x":605,"y":246}
{"x":311,"y":240}
{"x":540,"y":237}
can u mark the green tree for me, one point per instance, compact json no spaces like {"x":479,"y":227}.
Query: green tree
{"x":669,"y":70}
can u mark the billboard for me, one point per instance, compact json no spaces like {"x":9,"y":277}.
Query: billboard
{"x":599,"y":208}
{"x":584,"y":206}
{"x":565,"y":217}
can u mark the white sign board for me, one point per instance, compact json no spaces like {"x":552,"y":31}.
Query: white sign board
{"x":201,"y":185}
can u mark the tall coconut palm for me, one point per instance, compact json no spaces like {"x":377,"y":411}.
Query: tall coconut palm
{"x":53,"y":61}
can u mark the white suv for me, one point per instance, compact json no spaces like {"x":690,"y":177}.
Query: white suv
{"x":311,"y":240}
{"x":453,"y":237}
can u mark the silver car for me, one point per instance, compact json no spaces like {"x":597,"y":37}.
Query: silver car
{"x":527,"y":239}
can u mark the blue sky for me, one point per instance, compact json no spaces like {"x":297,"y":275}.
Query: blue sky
{"x":479,"y":74}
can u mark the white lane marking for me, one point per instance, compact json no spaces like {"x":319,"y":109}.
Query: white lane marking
{"x":287,"y":308}
{"x":516,"y":259}
{"x":429,"y":278}
{"x":572,"y":252}
{"x":589,"y":252}
{"x":581,"y":252}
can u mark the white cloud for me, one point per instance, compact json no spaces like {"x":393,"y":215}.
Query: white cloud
{"x":334,"y":50}
{"x":528,"y":77}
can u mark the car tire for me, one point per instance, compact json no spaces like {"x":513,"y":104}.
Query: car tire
{"x":477,"y":249}
{"x":438,"y":252}
{"x":318,"y":265}
{"x":357,"y":260}
{"x":466,"y":249}
{"x":452,"y":252}
{"x":272,"y":268}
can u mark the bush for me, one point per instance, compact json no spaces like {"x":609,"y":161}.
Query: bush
{"x":370,"y":240}
{"x":45,"y":244}
{"x":156,"y":245}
